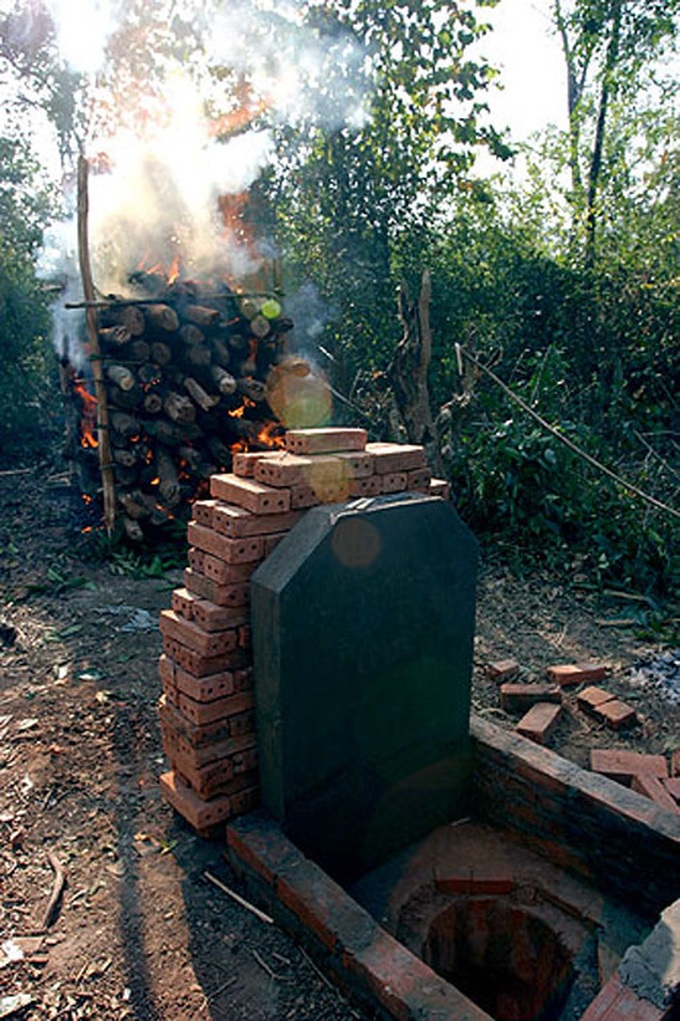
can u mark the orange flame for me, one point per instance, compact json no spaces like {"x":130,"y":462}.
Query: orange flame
{"x":88,"y":421}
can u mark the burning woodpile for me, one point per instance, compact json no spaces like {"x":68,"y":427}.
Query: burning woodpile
{"x":189,"y":374}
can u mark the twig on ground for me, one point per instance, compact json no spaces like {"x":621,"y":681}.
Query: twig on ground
{"x":263,"y":964}
{"x":57,"y":891}
{"x":237,"y":897}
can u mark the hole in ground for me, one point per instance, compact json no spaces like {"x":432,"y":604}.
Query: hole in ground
{"x":508,"y":961}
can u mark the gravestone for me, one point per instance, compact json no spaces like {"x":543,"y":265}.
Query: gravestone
{"x":363,"y":624}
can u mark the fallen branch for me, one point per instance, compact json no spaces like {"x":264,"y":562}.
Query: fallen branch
{"x":237,"y":897}
{"x":57,"y":891}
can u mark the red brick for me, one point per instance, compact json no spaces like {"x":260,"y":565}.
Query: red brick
{"x":202,"y":512}
{"x":207,"y":643}
{"x":209,"y":732}
{"x":223,"y":573}
{"x":245,"y":762}
{"x":233,"y":551}
{"x":281,"y":468}
{"x":475,"y":882}
{"x":576,"y":673}
{"x":196,"y":559}
{"x":396,"y":457}
{"x":591,"y":698}
{"x":212,"y":617}
{"x":202,"y":713}
{"x":539,"y":722}
{"x":286,"y":469}
{"x":303,"y":497}
{"x":623,"y":765}
{"x":207,"y":689}
{"x":174,"y":744}
{"x":242,"y":724}
{"x":251,"y":495}
{"x":403,"y":984}
{"x":653,"y":788}
{"x":441,"y":488}
{"x":182,"y":602}
{"x":615,"y":713}
{"x":358,"y":464}
{"x":394,"y":482}
{"x":243,"y":679}
{"x":244,"y":636}
{"x":238,"y":523}
{"x":322,"y":491}
{"x":368,"y":485}
{"x":672,"y":785}
{"x":245,"y":800}
{"x":214,"y":778}
{"x":166,"y":669}
{"x":517,"y":698}
{"x":419,"y":480}
{"x":244,"y":463}
{"x":259,"y":844}
{"x":503,"y":669}
{"x":233,"y":595}
{"x":199,"y":665}
{"x":198,"y":813}
{"x":324,"y":440}
{"x":617,"y":1002}
{"x":272,"y":541}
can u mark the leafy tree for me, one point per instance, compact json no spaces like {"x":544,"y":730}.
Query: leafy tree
{"x":352,"y":200}
{"x":25,"y":378}
{"x":609,"y":47}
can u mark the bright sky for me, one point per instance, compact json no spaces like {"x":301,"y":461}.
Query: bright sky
{"x":524,"y":46}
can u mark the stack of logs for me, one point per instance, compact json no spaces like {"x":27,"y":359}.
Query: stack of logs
{"x":207,"y":708}
{"x":185,"y":375}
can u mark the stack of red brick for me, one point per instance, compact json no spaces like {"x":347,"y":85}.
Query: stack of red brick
{"x":207,"y":708}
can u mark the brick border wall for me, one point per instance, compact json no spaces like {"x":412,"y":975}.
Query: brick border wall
{"x":594,"y":826}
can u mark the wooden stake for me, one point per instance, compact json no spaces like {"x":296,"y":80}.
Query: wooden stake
{"x":103,"y":433}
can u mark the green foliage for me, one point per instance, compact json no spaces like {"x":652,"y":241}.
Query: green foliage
{"x":26,"y":368}
{"x":348,"y":199}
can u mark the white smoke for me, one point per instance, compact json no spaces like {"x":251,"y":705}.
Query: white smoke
{"x":203,"y":129}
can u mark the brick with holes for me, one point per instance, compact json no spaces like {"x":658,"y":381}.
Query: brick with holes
{"x":233,"y":551}
{"x":249,"y":494}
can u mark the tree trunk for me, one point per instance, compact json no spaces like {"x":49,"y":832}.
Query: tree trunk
{"x":408,"y":373}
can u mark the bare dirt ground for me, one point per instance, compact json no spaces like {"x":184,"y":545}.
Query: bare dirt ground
{"x":138,"y":931}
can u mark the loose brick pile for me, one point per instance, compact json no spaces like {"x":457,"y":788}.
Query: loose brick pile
{"x":207,"y":708}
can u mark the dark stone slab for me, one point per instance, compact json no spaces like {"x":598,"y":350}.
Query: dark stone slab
{"x":363,"y":623}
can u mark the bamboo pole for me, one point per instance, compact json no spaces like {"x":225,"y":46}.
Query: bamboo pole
{"x":103,"y":430}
